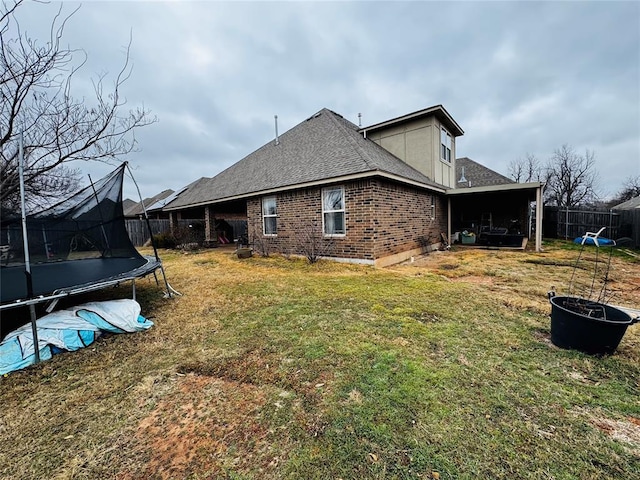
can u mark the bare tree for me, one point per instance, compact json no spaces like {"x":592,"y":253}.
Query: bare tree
{"x":37,"y":105}
{"x":630,"y":189}
{"x":571,"y":178}
{"x":527,"y":169}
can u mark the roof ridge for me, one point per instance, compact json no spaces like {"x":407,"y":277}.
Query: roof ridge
{"x":361,"y":151}
{"x":364,"y":154}
{"x":325,"y":146}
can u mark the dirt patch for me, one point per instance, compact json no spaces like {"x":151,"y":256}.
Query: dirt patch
{"x":544,"y":337}
{"x":626,"y":431}
{"x":218,"y":421}
{"x":207,"y":428}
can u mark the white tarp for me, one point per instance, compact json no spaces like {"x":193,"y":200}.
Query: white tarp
{"x":69,"y":330}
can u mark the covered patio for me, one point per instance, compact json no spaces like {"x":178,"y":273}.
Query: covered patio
{"x":496,"y":215}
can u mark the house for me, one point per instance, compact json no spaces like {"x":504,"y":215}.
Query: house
{"x":375,"y":195}
{"x":127,"y":203}
{"x":472,"y":174}
{"x":629,"y":212}
{"x":152,"y":205}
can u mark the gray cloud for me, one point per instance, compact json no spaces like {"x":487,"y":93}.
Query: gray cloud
{"x":519,"y":77}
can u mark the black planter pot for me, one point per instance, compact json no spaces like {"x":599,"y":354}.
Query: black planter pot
{"x":588,"y":326}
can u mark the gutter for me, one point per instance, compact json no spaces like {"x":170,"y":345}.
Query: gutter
{"x":495,"y":188}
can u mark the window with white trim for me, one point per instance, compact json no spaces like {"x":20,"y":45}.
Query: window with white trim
{"x":445,"y":145}
{"x":333,"y":217}
{"x":269,"y":216}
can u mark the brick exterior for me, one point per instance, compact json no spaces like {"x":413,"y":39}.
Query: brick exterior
{"x":382,"y":218}
{"x":407,"y":218}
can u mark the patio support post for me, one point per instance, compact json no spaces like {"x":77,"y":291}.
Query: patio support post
{"x":539,"y":213}
{"x":209,"y":225}
{"x":173,"y":222}
{"x":449,"y":220}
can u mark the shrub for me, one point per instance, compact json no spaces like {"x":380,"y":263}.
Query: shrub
{"x":164,"y":240}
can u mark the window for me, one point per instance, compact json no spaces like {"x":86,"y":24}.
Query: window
{"x":269,"y":216}
{"x":333,"y":211}
{"x":445,"y":145}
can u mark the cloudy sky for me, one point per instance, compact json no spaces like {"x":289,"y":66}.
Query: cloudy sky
{"x":519,"y":77}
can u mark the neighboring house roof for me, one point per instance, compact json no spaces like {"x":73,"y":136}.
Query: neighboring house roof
{"x":136,"y":209}
{"x":472,"y":174}
{"x":629,"y":204}
{"x":322,"y":149}
{"x":438,"y":111}
{"x":127,"y":203}
{"x":161,"y":202}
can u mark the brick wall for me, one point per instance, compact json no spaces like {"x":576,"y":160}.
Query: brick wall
{"x":382,"y":219}
{"x":407,"y":218}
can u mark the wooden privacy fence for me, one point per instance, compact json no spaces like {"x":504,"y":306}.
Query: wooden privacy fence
{"x":569,"y":224}
{"x":630,"y":225}
{"x":139,"y":232}
{"x":190,"y":230}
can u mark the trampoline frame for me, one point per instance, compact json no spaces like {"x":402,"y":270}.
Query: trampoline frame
{"x":151,"y":265}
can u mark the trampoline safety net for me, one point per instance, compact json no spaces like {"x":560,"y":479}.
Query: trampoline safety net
{"x":66,"y":241}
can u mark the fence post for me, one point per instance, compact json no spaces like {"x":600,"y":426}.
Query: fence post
{"x":610,"y":222}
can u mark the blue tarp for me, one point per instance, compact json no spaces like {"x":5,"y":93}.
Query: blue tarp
{"x":70,"y":330}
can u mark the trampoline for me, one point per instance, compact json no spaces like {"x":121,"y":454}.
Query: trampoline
{"x":76,"y":246}
{"x":71,"y":277}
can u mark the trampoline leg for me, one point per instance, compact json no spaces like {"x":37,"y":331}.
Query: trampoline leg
{"x":34,"y":331}
{"x":134,"y":288}
{"x":52,"y":305}
{"x":170,"y":289}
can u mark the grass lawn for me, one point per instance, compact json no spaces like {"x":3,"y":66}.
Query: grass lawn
{"x":272,"y":368}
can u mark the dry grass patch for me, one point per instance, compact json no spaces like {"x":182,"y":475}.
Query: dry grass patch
{"x":521,"y":280}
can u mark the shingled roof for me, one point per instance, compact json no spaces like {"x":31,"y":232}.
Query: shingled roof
{"x":324,"y":148}
{"x":476,"y":175}
{"x":136,"y":209}
{"x":632,"y":204}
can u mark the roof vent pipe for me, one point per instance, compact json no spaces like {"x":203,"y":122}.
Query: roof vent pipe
{"x":462,"y":178}
{"x":275,"y":117}
{"x":364,"y":132}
